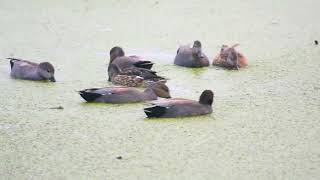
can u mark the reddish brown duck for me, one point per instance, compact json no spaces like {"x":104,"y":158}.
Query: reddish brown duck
{"x":133,"y":76}
{"x":230,"y":58}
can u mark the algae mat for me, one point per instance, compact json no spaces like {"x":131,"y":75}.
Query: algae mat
{"x":265,"y":123}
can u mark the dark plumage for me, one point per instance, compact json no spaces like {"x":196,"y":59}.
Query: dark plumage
{"x":23,"y":69}
{"x":178,"y":107}
{"x":229,"y":58}
{"x":125,"y":94}
{"x":191,"y":56}
{"x":133,"y":76}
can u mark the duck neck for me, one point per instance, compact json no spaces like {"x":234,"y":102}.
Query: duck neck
{"x":150,"y":94}
{"x":38,"y":74}
{"x":113,"y":56}
{"x":197,"y":55}
{"x":113,"y":70}
{"x":196,"y":51}
{"x":197,"y":60}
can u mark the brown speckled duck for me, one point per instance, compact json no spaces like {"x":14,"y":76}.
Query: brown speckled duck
{"x":230,"y":58}
{"x":133,"y":76}
{"x":118,"y":58}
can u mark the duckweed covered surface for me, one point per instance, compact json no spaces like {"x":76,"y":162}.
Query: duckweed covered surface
{"x":265,"y":123}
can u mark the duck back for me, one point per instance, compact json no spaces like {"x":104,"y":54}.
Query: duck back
{"x":177,"y":108}
{"x":21,"y":69}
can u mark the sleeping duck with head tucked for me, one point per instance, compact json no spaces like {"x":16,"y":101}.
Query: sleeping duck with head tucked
{"x":230,"y":58}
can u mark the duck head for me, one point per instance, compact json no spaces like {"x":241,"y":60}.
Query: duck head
{"x":46,"y":71}
{"x":196,"y":49}
{"x":160,"y":89}
{"x":116,"y":52}
{"x":206,"y":97}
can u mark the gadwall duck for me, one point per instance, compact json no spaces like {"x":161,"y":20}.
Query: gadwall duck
{"x":118,"y":58}
{"x":230,"y":58}
{"x":23,"y":69}
{"x":191,"y":56}
{"x":178,"y":107}
{"x":119,"y":95}
{"x":133,"y":76}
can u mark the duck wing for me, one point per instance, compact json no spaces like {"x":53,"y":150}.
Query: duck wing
{"x":146,"y":74}
{"x":132,"y":61}
{"x":176,"y":107}
{"x":141,"y":63}
{"x":21,"y":62}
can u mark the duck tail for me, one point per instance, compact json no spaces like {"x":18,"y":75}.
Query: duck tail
{"x":144,"y":64}
{"x":152,"y":75}
{"x":12,"y":61}
{"x":89,"y":96}
{"x":155,"y":111}
{"x":12,"y":58}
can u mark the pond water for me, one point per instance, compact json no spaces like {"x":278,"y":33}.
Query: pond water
{"x":265,"y":123}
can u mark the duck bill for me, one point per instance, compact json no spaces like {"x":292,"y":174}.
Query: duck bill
{"x":52,"y":79}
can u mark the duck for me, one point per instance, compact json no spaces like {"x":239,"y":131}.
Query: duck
{"x":191,"y":56}
{"x":27,"y":70}
{"x":118,"y":58}
{"x":180,"y":107}
{"x":133,"y":76}
{"x":230,"y":58}
{"x":121,"y":94}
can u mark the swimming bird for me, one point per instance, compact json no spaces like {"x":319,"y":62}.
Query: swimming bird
{"x":118,"y":58}
{"x":179,"y":107}
{"x":23,"y":69}
{"x":230,"y":58}
{"x":119,"y":95}
{"x":133,"y":76}
{"x":191,"y":56}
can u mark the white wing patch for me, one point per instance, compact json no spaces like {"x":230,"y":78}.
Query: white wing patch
{"x":25,"y":64}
